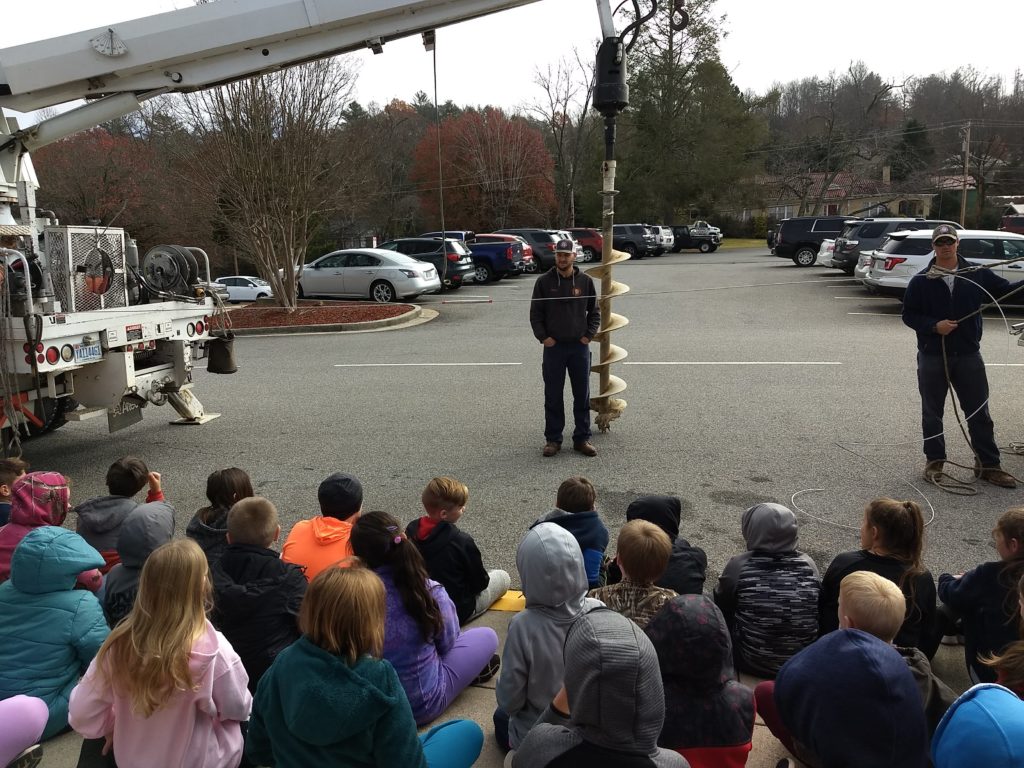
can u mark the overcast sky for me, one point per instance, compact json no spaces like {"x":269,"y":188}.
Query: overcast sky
{"x":494,"y":60}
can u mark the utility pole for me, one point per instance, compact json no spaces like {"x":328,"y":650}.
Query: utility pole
{"x":967,"y":169}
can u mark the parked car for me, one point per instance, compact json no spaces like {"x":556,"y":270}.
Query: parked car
{"x":799,"y":238}
{"x":869,"y":234}
{"x":686,"y":237}
{"x":905,"y":254}
{"x":245,"y":287}
{"x":383,"y":276}
{"x":825,"y":252}
{"x":454,"y":264}
{"x":591,"y":240}
{"x":541,"y":240}
{"x":664,"y":239}
{"x":1012,"y":224}
{"x":495,"y":260}
{"x":635,"y":239}
{"x":529,"y":264}
{"x":702,"y":226}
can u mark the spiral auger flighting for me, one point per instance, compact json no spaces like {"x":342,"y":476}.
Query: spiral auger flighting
{"x":608,"y":406}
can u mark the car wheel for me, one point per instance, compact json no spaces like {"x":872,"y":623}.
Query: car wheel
{"x":805,"y":256}
{"x":300,"y":293}
{"x":705,"y":247}
{"x":589,"y":254}
{"x":531,"y":268}
{"x":630,"y":249}
{"x":382,"y":292}
{"x":484,"y":274}
{"x":260,"y":296}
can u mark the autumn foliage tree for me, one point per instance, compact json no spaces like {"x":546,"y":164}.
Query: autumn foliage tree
{"x":495,"y":171}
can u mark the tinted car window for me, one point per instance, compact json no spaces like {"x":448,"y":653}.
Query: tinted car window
{"x":364,"y":260}
{"x":826,"y":225}
{"x":336,"y":260}
{"x":872,"y":229}
{"x":638,"y":230}
{"x":849,"y":230}
{"x":459,"y":247}
{"x":978,"y":249}
{"x":1013,"y":249}
{"x":907,"y":246}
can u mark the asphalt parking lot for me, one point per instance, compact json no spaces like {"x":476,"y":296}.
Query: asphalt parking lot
{"x":749,"y":380}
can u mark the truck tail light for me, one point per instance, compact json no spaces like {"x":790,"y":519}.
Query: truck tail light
{"x":200,"y":327}
{"x":508,"y":254}
{"x":892,"y":261}
{"x":27,"y":347}
{"x":67,"y":353}
{"x":52,"y":355}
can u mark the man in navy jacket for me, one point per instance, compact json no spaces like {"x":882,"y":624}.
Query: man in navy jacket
{"x":933,"y":306}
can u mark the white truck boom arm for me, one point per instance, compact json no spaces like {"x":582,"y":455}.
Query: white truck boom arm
{"x":206,"y":45}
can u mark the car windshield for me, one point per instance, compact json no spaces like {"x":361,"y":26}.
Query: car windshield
{"x":848,"y":230}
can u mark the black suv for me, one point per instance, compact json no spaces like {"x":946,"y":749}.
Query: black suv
{"x":541,"y":240}
{"x":454,"y":264}
{"x":799,"y":238}
{"x":858,"y":237}
{"x":635,"y":239}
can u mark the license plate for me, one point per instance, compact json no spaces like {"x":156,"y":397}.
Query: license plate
{"x":430,"y":273}
{"x":85,"y":353}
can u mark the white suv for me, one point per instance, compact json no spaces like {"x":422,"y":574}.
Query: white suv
{"x":666,"y":240}
{"x":905,"y":254}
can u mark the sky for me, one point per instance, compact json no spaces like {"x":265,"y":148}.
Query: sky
{"x":495,"y":60}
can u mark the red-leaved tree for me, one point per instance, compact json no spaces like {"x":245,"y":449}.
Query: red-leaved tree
{"x":496,"y":172}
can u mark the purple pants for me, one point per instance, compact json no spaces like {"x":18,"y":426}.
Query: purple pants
{"x":472,"y":651}
{"x":22,"y":720}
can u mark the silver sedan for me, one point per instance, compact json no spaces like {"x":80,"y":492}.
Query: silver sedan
{"x":383,"y":276}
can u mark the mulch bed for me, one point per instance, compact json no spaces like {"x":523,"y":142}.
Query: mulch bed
{"x":314,"y":313}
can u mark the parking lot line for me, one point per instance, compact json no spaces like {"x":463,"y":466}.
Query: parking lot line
{"x":877,"y":314}
{"x":865,"y":298}
{"x":414,"y":365}
{"x":736,"y":362}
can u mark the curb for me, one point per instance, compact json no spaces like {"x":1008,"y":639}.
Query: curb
{"x":387,"y":322}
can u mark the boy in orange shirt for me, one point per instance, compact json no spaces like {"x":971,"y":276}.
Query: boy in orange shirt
{"x":323,"y":541}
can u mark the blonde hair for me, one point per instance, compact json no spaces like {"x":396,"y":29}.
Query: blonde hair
{"x":643,"y":551}
{"x":343,"y":612}
{"x":146,"y":656}
{"x":252,"y":520}
{"x":1009,"y":665}
{"x":443,"y":493}
{"x":874,"y":604}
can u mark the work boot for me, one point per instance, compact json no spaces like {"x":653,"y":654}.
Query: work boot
{"x":550,"y":449}
{"x":997,"y":476}
{"x":933,"y":470}
{"x":586,"y":448}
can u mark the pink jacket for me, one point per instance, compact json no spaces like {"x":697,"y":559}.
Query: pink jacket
{"x":194,"y":729}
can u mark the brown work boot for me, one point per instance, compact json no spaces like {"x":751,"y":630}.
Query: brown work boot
{"x":550,"y":449}
{"x":586,"y":448}
{"x":933,"y":470}
{"x":997,"y":476}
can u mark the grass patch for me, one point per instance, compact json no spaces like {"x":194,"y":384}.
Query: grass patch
{"x":743,"y":242}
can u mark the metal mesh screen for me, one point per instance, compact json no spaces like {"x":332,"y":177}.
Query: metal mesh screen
{"x":69,"y":249}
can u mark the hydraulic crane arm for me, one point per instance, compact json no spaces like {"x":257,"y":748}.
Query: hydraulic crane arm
{"x":219,"y":42}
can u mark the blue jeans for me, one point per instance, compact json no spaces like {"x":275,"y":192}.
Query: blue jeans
{"x":455,"y":744}
{"x":967,"y":375}
{"x":572,"y":357}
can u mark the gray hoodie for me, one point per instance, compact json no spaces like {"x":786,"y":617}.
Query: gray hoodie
{"x":100,"y":519}
{"x":616,"y":700}
{"x":554,"y":582}
{"x":146,"y":528}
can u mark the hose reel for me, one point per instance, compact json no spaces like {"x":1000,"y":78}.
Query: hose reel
{"x":170,"y":269}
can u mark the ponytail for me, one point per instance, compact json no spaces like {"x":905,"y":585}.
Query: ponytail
{"x":378,"y":541}
{"x":900,"y":525}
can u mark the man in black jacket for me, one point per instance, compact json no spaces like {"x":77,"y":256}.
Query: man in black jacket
{"x":936,"y":307}
{"x":565,"y":316}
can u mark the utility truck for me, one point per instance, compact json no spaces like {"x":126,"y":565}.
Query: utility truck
{"x":88,"y":327}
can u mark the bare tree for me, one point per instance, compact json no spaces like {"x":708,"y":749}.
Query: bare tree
{"x":268,"y":147}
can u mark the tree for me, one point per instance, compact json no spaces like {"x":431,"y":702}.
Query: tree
{"x":270,"y":148}
{"x":496,"y":172}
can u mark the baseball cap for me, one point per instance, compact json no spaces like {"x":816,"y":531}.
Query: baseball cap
{"x":945,"y":230}
{"x":340,"y":496}
{"x":565,"y":246}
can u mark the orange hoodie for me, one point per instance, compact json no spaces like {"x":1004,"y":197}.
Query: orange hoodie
{"x":318,"y":544}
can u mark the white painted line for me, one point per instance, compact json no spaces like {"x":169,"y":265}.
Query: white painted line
{"x":738,"y":362}
{"x":416,"y":365}
{"x":865,"y":298}
{"x":877,"y":314}
{"x":1004,"y":365}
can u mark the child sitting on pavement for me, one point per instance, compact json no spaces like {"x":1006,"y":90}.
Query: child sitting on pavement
{"x":641,"y":553}
{"x":99,"y":519}
{"x":351,"y":709}
{"x":435,"y":661}
{"x":147,"y":527}
{"x":10,"y":470}
{"x":769,"y":594}
{"x":687,"y":565}
{"x":450,"y":554}
{"x":554,"y":582}
{"x":868,"y":702}
{"x":256,"y":595}
{"x":323,"y":541}
{"x":709,"y":715}
{"x":576,"y":511}
{"x":209,"y":525}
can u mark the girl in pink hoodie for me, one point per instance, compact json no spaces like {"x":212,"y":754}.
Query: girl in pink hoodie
{"x":166,"y":690}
